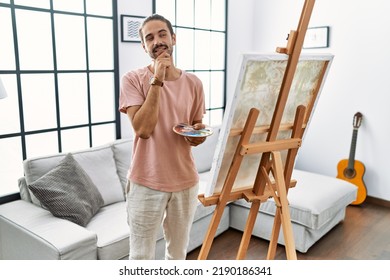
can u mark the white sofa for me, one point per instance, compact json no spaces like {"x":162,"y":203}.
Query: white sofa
{"x":29,"y":231}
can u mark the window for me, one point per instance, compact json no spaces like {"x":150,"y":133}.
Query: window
{"x":200,"y":27}
{"x":58,"y":65}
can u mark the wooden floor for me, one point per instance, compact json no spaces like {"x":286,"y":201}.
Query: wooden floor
{"x":363,"y":235}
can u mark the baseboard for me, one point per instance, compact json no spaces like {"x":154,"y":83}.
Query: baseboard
{"x":378,"y":201}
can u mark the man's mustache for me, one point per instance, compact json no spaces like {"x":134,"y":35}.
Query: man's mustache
{"x":159,"y":46}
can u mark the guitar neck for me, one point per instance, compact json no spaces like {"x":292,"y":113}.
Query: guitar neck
{"x":351,"y":161}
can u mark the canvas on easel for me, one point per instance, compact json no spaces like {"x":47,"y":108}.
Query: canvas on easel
{"x":258,"y":87}
{"x":256,"y":101}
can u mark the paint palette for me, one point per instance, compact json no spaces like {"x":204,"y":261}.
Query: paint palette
{"x":189,"y":130}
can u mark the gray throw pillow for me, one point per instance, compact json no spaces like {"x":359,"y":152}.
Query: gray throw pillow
{"x":68,"y":192}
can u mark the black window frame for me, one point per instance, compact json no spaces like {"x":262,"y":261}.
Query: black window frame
{"x":18,"y":72}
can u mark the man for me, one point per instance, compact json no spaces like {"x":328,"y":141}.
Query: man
{"x":163,"y":181}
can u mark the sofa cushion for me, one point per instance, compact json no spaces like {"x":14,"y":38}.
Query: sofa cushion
{"x":112,"y":230}
{"x":204,"y":153}
{"x":68,"y":192}
{"x":97,"y":162}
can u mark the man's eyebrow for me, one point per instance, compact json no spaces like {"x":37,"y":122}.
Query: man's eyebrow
{"x":148,"y":35}
{"x":160,"y":31}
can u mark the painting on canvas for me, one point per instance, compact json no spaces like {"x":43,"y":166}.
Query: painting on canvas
{"x":258,"y":87}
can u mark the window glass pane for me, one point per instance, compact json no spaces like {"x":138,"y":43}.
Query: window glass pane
{"x":217,"y":90}
{"x":11,"y":167}
{"x":202,"y":14}
{"x":217,"y":50}
{"x":103,"y":134}
{"x":9,"y":108}
{"x":218,"y":12}
{"x":185,"y":13}
{"x":217,"y":117}
{"x":166,"y":8}
{"x":99,"y":7}
{"x":185,"y":48}
{"x":205,"y":78}
{"x":34,"y":3}
{"x":213,"y":117}
{"x":70,"y":42}
{"x":5,"y":1}
{"x":76,"y":6}
{"x":39,"y":104}
{"x":102,"y":97}
{"x":202,"y":50}
{"x":41,"y":144}
{"x":74,"y":139}
{"x":7,"y":54}
{"x":34,"y":40}
{"x":100,"y":49}
{"x":72,"y":91}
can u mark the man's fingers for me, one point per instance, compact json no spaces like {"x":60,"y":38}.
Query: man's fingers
{"x":198,"y":126}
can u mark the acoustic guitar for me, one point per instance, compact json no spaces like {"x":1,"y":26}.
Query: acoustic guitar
{"x":352,"y":170}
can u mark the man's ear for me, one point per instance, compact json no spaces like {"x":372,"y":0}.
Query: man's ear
{"x":173,"y":39}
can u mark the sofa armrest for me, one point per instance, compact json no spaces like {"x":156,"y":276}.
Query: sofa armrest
{"x":30,"y":232}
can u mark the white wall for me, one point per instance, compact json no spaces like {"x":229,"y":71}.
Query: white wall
{"x":357,"y":81}
{"x":240,"y":32}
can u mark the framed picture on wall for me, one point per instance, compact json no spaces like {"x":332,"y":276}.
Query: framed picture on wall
{"x":316,"y":37}
{"x":130,"y":26}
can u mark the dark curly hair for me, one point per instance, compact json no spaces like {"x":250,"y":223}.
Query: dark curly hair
{"x":155,"y":17}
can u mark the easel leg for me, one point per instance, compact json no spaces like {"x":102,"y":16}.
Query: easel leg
{"x":224,"y":197}
{"x":296,"y":133}
{"x":275,"y":236}
{"x":253,"y":212}
{"x":283,"y":212}
{"x":209,"y":238}
{"x":250,"y":223}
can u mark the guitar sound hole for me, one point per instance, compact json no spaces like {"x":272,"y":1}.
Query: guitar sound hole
{"x":349,"y":173}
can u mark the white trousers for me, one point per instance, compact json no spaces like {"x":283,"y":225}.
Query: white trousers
{"x":147,"y":209}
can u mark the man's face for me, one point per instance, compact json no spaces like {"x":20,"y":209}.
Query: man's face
{"x":157,"y":38}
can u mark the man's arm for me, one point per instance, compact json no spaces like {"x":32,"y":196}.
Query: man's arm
{"x":144,"y":117}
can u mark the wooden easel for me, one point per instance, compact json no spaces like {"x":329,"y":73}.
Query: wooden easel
{"x":265,"y":185}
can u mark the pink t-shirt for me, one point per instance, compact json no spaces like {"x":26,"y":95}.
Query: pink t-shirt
{"x":164,"y":161}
